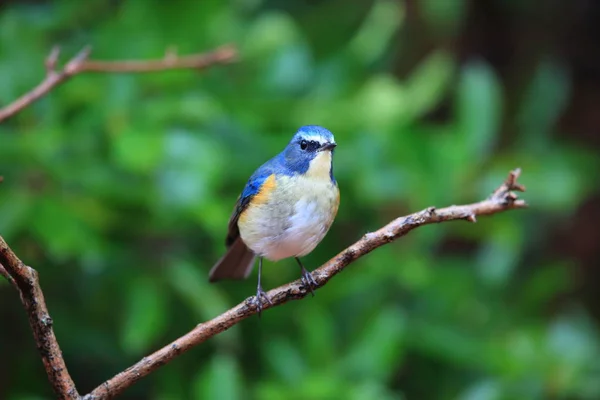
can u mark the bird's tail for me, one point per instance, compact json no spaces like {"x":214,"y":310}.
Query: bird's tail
{"x":237,"y":263}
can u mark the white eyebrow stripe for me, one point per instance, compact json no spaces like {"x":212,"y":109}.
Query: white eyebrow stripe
{"x":316,"y":138}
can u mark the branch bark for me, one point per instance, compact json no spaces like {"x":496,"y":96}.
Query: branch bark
{"x":502,"y":199}
{"x":25,"y":280}
{"x":80,"y":64}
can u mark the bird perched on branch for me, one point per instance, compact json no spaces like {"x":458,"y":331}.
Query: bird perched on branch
{"x":285,"y":210}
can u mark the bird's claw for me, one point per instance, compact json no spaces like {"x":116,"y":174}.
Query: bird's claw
{"x":260,"y":294}
{"x":308,"y":281}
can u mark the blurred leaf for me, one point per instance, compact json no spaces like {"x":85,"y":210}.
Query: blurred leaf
{"x":572,"y":339}
{"x":290,"y":71}
{"x":379,"y":350}
{"x":191,"y":168}
{"x":285,"y":361}
{"x":220,"y":379}
{"x":315,"y":22}
{"x":318,"y":336}
{"x":144,"y":315}
{"x":483,"y":390}
{"x":543,"y":103}
{"x":446,"y":342}
{"x":372,"y":390}
{"x":500,"y":253}
{"x":192,"y":284}
{"x":373,"y":180}
{"x":545,"y":283}
{"x":479,"y":108}
{"x":414,"y":272}
{"x":73,"y":235}
{"x":27,"y":397}
{"x":444,"y":17}
{"x":138,"y":150}
{"x":269,"y":33}
{"x":171,"y":383}
{"x":428,"y":84}
{"x":373,"y":38}
{"x":14,"y":209}
{"x":383,"y":103}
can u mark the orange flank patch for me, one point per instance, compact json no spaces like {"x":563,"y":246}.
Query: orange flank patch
{"x":261,"y":197}
{"x":265,"y":191}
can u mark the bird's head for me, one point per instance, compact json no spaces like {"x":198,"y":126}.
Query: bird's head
{"x":310,"y":152}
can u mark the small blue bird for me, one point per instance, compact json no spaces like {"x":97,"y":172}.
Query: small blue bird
{"x":285,"y":210}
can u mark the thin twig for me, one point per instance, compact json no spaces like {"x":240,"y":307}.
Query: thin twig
{"x":25,"y":279}
{"x":80,"y":64}
{"x":223,"y":55}
{"x":501,"y":200}
{"x":6,"y":275}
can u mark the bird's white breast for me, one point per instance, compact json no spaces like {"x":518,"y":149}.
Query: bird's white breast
{"x":294,"y":219}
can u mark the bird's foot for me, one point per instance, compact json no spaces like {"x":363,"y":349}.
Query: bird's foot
{"x":260,"y":294}
{"x":308,"y":281}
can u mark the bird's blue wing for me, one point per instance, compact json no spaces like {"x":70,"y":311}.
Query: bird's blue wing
{"x":252,"y":188}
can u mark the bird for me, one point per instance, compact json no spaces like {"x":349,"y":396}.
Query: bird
{"x":285,"y":210}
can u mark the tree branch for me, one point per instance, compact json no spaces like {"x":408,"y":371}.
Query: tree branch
{"x":80,"y":64}
{"x":25,"y":279}
{"x":501,"y":200}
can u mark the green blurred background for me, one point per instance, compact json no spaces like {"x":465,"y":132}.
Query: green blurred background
{"x":118,"y":189}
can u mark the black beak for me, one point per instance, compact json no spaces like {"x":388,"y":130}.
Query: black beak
{"x":327,"y":146}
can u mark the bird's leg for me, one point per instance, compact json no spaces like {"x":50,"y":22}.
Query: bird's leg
{"x":260,"y":293}
{"x":307,"y":280}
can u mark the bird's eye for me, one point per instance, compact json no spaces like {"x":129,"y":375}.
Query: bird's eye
{"x":304,"y":145}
